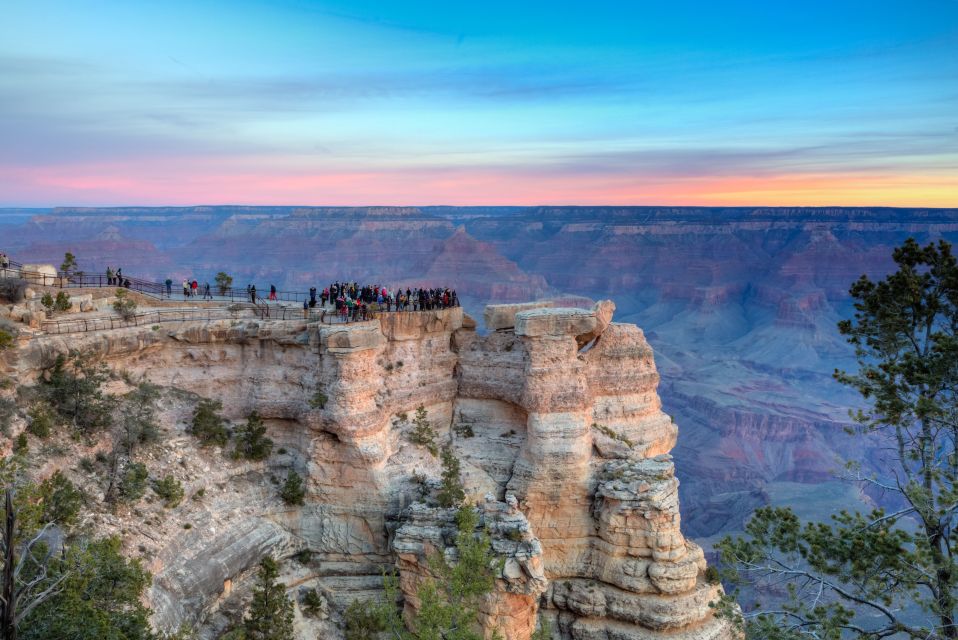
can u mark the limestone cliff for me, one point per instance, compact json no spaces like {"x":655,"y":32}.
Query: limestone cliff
{"x":554,"y":416}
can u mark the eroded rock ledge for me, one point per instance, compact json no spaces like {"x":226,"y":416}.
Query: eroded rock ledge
{"x":566,"y":453}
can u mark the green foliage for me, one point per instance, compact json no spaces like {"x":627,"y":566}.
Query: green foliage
{"x":69,"y":264}
{"x":42,"y":420}
{"x":251,"y":440}
{"x":544,"y":632}
{"x":124,"y":305}
{"x":60,"y":500}
{"x":863,"y":574}
{"x":72,"y":387}
{"x":170,"y":489}
{"x":270,"y":616}
{"x":7,"y":337}
{"x":100,"y":597}
{"x":20,"y":445}
{"x":137,"y":423}
{"x":612,"y":433}
{"x":422,"y":433}
{"x":363,"y":620}
{"x":319,"y":400}
{"x":451,"y":493}
{"x":56,"y":305}
{"x":223,"y":282}
{"x":293,"y":490}
{"x":464,"y":430}
{"x":312,"y":603}
{"x":132,"y":484}
{"x":207,"y":425}
{"x":8,"y":409}
{"x":449,"y":598}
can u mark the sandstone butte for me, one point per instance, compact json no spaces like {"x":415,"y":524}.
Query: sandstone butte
{"x":568,"y":461}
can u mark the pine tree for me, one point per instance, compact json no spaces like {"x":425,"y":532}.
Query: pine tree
{"x":293,"y":491}
{"x":270,"y":616}
{"x":451,"y":493}
{"x":863,"y":575}
{"x":251,"y":440}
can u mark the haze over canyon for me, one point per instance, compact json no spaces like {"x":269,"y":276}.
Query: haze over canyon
{"x":739,"y":304}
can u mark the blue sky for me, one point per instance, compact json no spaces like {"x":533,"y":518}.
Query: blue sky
{"x":479,"y":103}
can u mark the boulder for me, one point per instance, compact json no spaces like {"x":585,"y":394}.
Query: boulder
{"x":503,"y":316}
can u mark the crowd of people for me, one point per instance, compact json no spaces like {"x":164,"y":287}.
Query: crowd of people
{"x":350,"y":301}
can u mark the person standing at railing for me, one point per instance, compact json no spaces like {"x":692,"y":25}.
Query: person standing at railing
{"x":169,"y":288}
{"x":194,"y":288}
{"x":324,"y":296}
{"x":4,"y":261}
{"x":306,"y":309}
{"x":272,"y":292}
{"x":312,"y":297}
{"x":118,"y":277}
{"x":206,"y":291}
{"x":252,"y":293}
{"x":109,"y":276}
{"x":186,"y":289}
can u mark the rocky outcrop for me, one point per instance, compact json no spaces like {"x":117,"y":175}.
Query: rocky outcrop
{"x":556,"y":422}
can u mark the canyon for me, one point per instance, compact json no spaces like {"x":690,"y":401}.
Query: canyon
{"x":553,"y":412}
{"x":740,"y":304}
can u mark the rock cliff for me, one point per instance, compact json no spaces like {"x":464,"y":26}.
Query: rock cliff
{"x":554,"y":416}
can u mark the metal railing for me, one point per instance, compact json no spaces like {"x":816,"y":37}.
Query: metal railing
{"x":145,"y":318}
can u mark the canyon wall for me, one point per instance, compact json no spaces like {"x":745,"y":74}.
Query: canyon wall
{"x":554,"y":416}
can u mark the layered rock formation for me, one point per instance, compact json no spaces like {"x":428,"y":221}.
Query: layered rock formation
{"x":557,"y":423}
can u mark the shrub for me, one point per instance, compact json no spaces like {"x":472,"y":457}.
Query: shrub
{"x":12,"y":290}
{"x":223,"y":282}
{"x":133,"y":483}
{"x":124,"y":305}
{"x":8,"y":408}
{"x":69,"y":265}
{"x":56,"y":305}
{"x":72,"y":387}
{"x":170,"y":489}
{"x":464,"y":430}
{"x":20,"y":445}
{"x":451,"y":493}
{"x":7,"y":338}
{"x":61,"y":500}
{"x":313,"y":604}
{"x":293,"y":490}
{"x":303,"y":556}
{"x":319,"y":400}
{"x":423,"y":433}
{"x":251,"y":440}
{"x":207,"y":425}
{"x":41,"y":420}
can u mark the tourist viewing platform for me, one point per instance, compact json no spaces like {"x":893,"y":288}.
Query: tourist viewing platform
{"x":68,"y":300}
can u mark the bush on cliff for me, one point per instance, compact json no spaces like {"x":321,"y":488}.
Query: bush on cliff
{"x":450,"y":596}
{"x":124,"y":305}
{"x":170,"y":489}
{"x":422,"y":433}
{"x":270,"y":615}
{"x":293,"y":491}
{"x":73,"y":388}
{"x":451,"y":493}
{"x":207,"y":425}
{"x":251,"y":440}
{"x":869,"y":575}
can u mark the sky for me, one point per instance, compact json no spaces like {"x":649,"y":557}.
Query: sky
{"x":352,"y":102}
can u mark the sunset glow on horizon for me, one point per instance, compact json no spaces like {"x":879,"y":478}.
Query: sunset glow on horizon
{"x":365,"y":103}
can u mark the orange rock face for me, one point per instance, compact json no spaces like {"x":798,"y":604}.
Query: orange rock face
{"x":557,"y":424}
